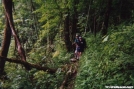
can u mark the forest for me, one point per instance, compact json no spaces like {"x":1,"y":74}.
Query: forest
{"x":36,"y":39}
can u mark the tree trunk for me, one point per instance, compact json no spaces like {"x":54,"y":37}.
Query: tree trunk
{"x":87,"y":28}
{"x":8,"y":12}
{"x":94,"y":30}
{"x":74,"y":20}
{"x":106,"y":18}
{"x":34,"y":17}
{"x":5,"y":45}
{"x":66,"y":34}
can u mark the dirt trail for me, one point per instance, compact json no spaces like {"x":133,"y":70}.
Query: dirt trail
{"x":69,"y":79}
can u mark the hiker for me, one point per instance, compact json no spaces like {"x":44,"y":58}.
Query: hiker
{"x":77,"y":51}
{"x":77,"y":46}
{"x":76,"y":39}
{"x":82,"y":45}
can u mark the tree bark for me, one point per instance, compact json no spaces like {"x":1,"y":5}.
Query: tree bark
{"x":6,"y":41}
{"x":106,"y":18}
{"x":8,"y":12}
{"x":5,"y":45}
{"x":74,"y":20}
{"x":94,"y":29}
{"x":66,"y":33}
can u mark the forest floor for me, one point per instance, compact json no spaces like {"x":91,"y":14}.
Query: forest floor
{"x":70,"y":75}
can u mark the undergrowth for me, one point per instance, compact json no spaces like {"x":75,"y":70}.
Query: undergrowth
{"x":108,"y":61}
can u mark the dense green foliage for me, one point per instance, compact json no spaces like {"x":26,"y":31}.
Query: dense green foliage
{"x":42,"y":26}
{"x":108,"y":61}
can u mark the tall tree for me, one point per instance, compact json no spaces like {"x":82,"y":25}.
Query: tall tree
{"x":66,"y":32}
{"x":7,"y":38}
{"x":8,"y":12}
{"x":10,"y":27}
{"x":5,"y":44}
{"x":74,"y":20}
{"x":106,"y":17}
{"x":70,"y":23}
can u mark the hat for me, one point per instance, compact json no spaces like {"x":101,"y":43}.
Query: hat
{"x":77,"y":34}
{"x":80,"y":37}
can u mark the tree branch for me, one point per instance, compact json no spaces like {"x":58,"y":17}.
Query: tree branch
{"x":47,"y":69}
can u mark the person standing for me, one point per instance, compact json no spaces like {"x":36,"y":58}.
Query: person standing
{"x":82,"y":44}
{"x":77,"y":46}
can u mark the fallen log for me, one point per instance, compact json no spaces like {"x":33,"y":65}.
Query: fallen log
{"x":46,"y":69}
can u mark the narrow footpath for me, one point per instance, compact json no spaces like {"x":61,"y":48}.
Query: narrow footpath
{"x":71,"y":73}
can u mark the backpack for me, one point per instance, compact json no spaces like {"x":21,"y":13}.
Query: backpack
{"x":84,"y":43}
